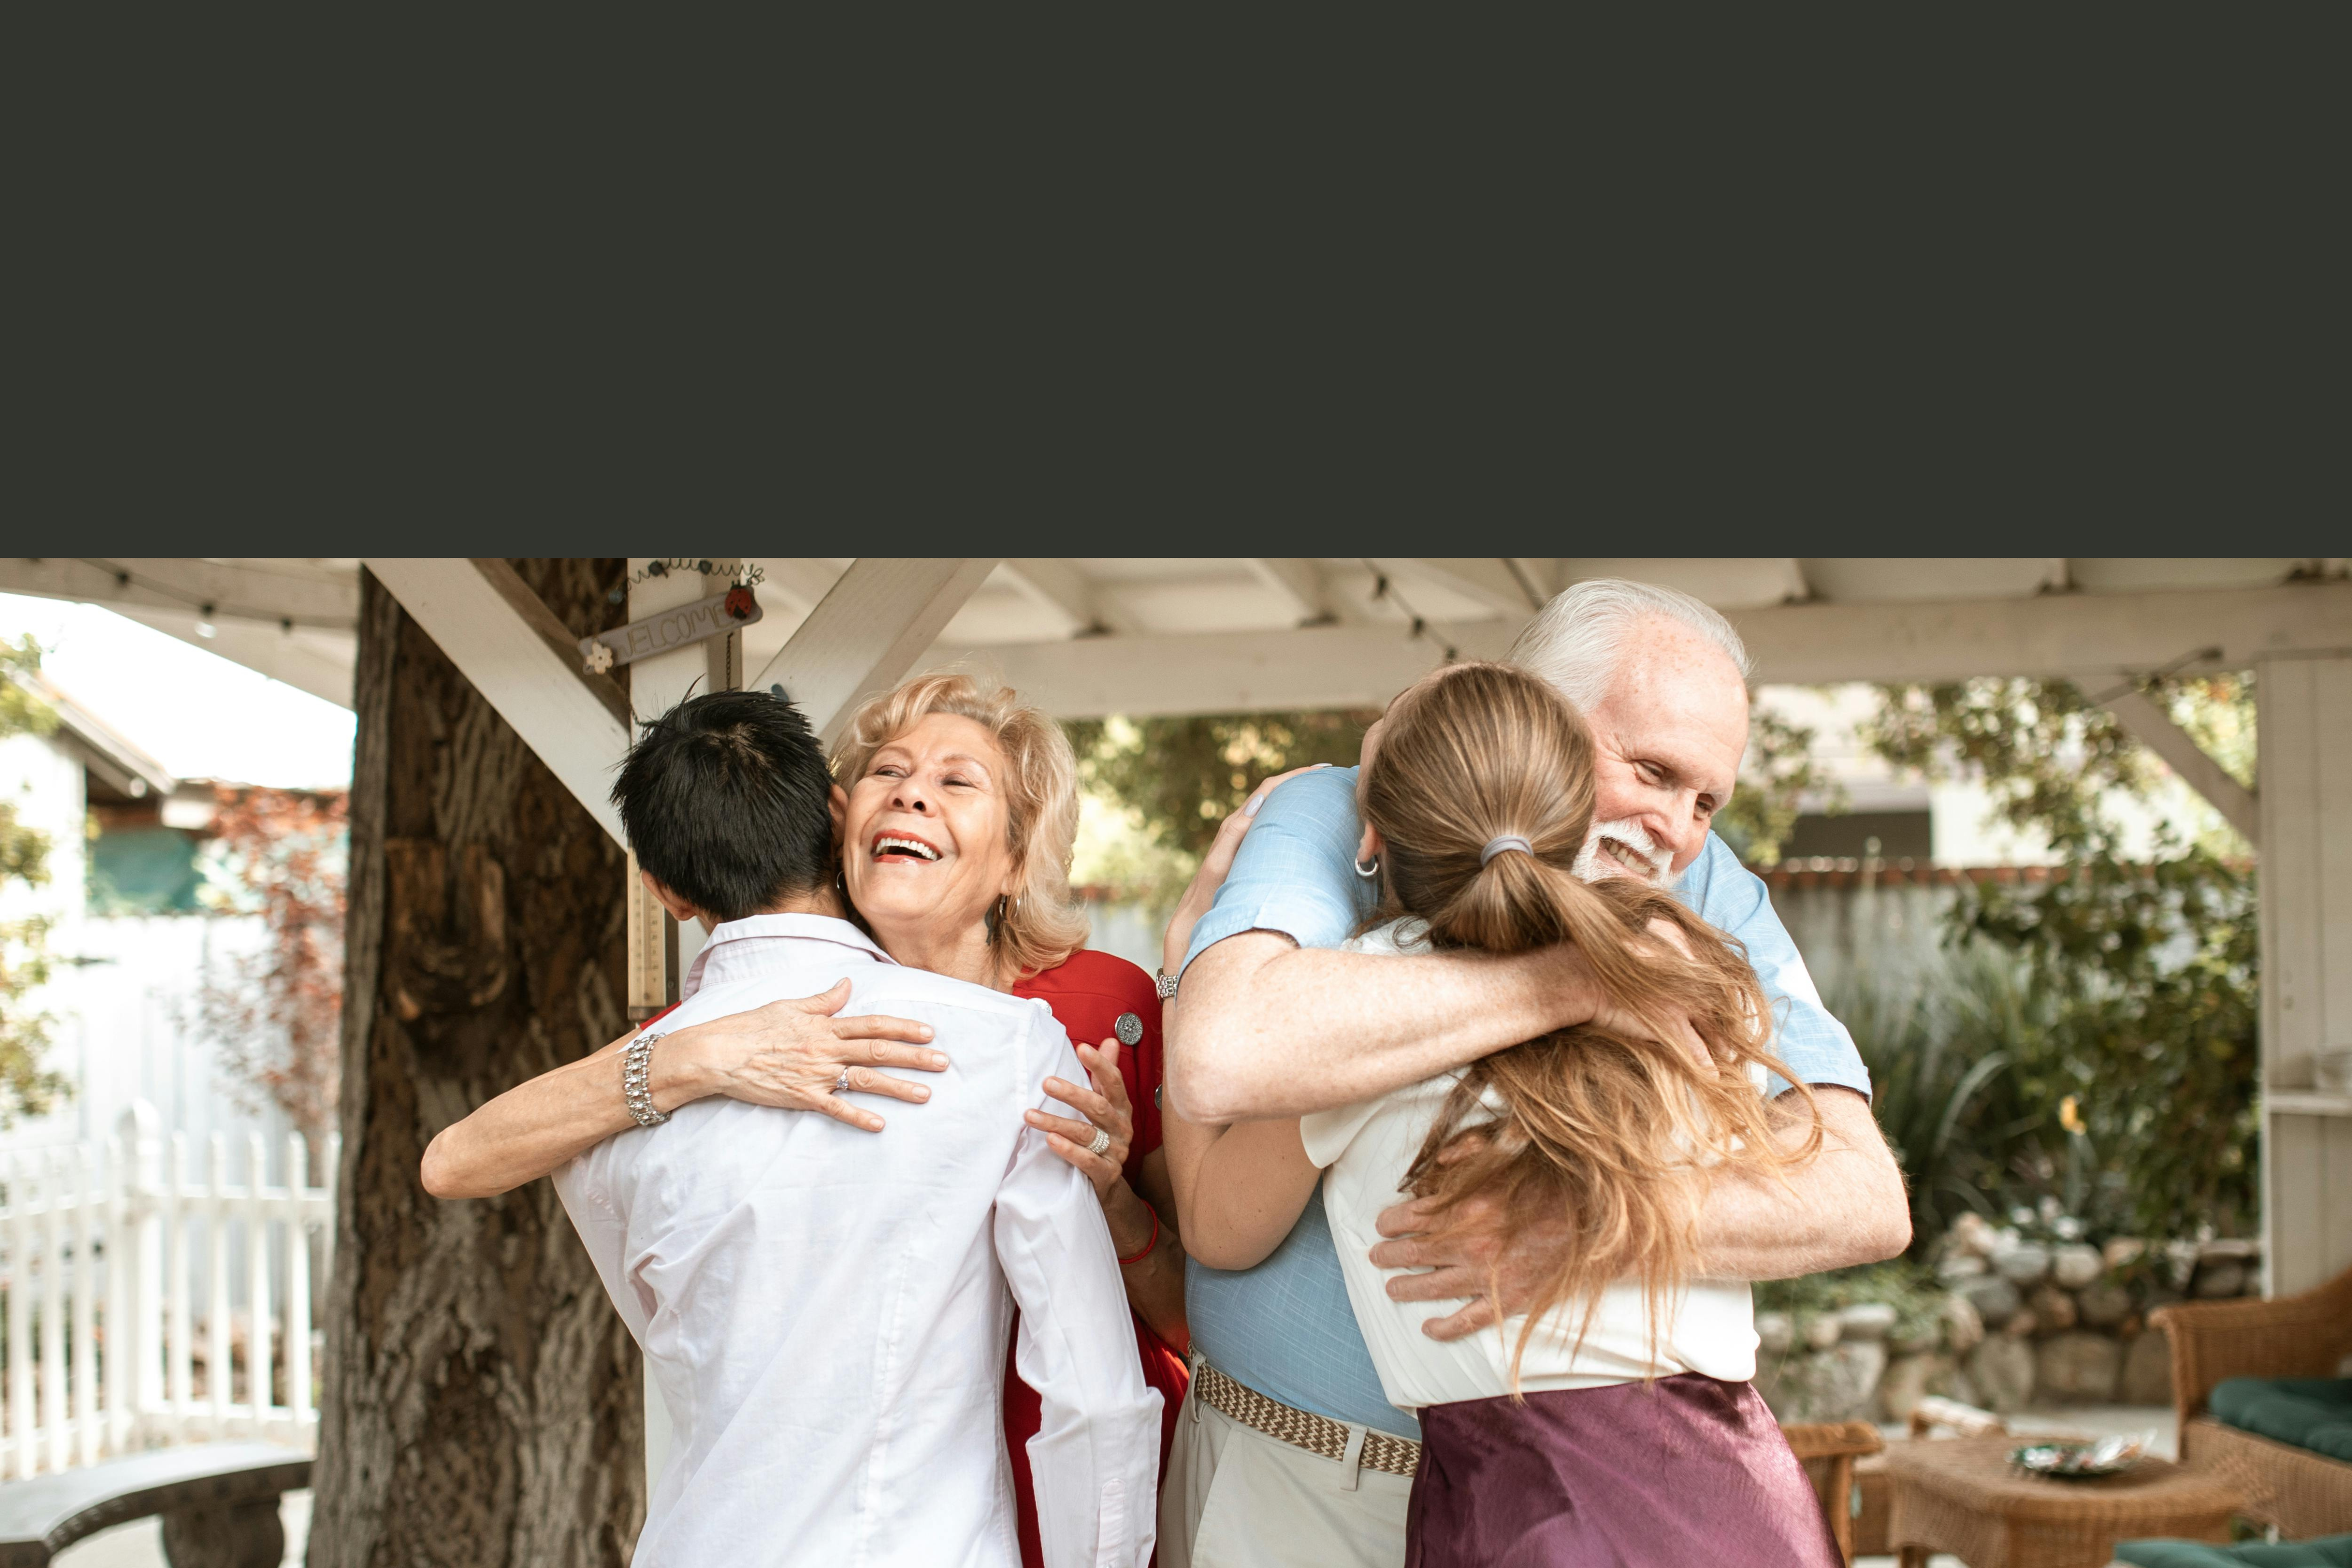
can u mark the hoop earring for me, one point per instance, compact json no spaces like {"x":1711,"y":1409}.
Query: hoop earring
{"x":995,"y":920}
{"x":1369,"y":872}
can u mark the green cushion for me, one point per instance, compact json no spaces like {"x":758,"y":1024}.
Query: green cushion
{"x":2311,"y":1413}
{"x":2333,"y":1551}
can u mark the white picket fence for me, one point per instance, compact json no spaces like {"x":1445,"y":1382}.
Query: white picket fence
{"x":99,"y":1244}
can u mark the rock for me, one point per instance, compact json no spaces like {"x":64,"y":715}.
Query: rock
{"x":2216,"y":1281}
{"x":1775,"y":1333}
{"x":1838,"y":1383}
{"x":2074,"y":1265}
{"x":1918,"y":1342}
{"x":1843,"y":1382}
{"x":1962,"y":1266}
{"x":1909,"y":1379}
{"x":2228,"y":1249}
{"x":1822,"y":1331}
{"x":2054,"y":1309}
{"x":2148,"y":1370}
{"x":2078,"y":1366}
{"x":2180,"y":1261}
{"x":1994,"y":1298}
{"x":2023,"y":1264}
{"x":2001,"y":1373}
{"x":1964,"y":1327}
{"x":2023,"y":1325}
{"x":1867,"y":1320}
{"x":2104,"y":1304}
{"x":2123,"y":1249}
{"x":1973,"y":1233}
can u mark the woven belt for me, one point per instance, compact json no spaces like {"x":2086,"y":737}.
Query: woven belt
{"x":1300,"y":1428}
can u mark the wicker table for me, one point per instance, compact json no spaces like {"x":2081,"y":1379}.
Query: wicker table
{"x":1962,"y":1497}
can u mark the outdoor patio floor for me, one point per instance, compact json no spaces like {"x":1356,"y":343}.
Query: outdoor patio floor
{"x":2091,"y":1421}
{"x":140,"y":1544}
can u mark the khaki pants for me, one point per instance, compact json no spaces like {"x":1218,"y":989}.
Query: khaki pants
{"x":1238,"y":1499}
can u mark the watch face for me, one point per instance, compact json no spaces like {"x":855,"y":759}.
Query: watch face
{"x":1129,"y":1030}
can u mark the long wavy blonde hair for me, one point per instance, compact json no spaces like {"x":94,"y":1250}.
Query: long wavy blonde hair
{"x":1611,"y":1131}
{"x":1039,"y":924}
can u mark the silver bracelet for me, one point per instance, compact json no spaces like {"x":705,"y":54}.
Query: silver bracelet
{"x":636,"y":1067}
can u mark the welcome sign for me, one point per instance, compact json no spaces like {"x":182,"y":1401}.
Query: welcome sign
{"x":671,"y":628}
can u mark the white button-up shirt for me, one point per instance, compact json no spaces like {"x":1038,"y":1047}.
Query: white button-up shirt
{"x":825,"y":1309}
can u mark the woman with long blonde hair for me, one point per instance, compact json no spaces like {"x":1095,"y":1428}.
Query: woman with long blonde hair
{"x":1614,"y":1421}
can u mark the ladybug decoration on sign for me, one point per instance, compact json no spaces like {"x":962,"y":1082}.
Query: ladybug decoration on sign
{"x":739,"y":603}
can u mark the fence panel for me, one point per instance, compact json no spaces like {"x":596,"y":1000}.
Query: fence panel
{"x":99,"y":1245}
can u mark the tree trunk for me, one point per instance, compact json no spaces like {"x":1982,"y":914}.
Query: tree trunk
{"x":482,"y":1399}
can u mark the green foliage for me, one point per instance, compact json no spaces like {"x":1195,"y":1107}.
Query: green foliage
{"x":1179,"y":778}
{"x":1948,"y":1061}
{"x":2129,"y":1062}
{"x":25,"y":1088}
{"x":1911,"y":1289}
{"x":1779,"y":770}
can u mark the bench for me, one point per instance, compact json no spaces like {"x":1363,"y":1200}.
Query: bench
{"x":218,"y":1502}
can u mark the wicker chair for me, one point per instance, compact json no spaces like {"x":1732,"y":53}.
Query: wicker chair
{"x":2307,"y":1335}
{"x":1873,"y":1491}
{"x":1828,"y":1450}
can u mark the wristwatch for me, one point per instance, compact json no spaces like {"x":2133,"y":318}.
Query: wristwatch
{"x":1165,"y":981}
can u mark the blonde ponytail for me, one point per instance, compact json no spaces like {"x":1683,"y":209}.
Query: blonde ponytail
{"x":1611,"y":1130}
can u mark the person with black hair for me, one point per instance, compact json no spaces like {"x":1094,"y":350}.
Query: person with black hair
{"x":824,"y":1314}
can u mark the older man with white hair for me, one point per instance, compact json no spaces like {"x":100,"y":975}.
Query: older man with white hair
{"x":1288,"y":1452}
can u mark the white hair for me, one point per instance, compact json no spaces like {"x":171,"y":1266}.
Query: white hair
{"x":1575,"y":642}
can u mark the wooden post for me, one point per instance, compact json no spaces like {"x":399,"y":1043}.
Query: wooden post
{"x":657,"y":685}
{"x":2306,"y":955}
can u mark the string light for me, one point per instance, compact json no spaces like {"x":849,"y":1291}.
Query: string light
{"x":1420,"y":624}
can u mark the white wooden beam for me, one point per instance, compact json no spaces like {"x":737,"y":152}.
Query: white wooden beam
{"x":1486,"y":580}
{"x":1232,"y":672}
{"x":188,"y":584}
{"x":2305,"y":727}
{"x":1300,"y":582}
{"x":881,"y":618}
{"x":1057,"y":586}
{"x":564,"y":722}
{"x":2154,"y":728}
{"x":316,"y":659}
{"x":2052,"y":636}
{"x":803,"y":580}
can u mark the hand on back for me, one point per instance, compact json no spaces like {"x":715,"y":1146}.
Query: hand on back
{"x":794,"y":1054}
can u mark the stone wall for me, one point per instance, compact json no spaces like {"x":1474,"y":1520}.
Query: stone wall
{"x":2025,"y":1321}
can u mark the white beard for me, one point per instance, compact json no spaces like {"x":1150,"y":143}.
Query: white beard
{"x":1593,"y":863}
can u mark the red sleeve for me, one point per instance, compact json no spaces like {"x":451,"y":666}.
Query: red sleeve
{"x":1090,"y":992}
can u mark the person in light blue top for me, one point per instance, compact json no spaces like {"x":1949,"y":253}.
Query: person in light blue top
{"x":1272,"y":1022}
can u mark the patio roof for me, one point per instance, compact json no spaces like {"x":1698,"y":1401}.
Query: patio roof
{"x":1090,"y":635}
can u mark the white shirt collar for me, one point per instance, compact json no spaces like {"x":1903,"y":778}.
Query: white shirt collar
{"x":800,"y":928}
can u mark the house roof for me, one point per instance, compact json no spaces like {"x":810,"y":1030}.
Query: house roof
{"x":107,"y":752}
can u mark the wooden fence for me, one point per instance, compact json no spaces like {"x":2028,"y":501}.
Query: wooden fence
{"x":102,"y":1247}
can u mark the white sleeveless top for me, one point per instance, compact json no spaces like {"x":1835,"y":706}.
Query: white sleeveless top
{"x":1365,"y":1149}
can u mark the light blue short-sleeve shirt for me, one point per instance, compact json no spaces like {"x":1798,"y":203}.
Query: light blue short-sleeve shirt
{"x":1285,"y":1327}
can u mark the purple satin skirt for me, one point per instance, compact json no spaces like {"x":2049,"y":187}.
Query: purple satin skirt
{"x":1685,"y":1473}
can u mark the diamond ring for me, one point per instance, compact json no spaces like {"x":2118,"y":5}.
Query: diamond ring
{"x":841,"y":1084}
{"x":1101,"y":1145}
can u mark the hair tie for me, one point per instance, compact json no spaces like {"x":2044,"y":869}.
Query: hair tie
{"x":1497,"y":846}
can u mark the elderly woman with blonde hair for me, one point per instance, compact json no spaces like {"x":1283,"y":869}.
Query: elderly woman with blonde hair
{"x":956,"y":809}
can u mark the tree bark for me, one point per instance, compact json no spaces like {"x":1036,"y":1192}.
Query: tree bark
{"x":481,"y":1401}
